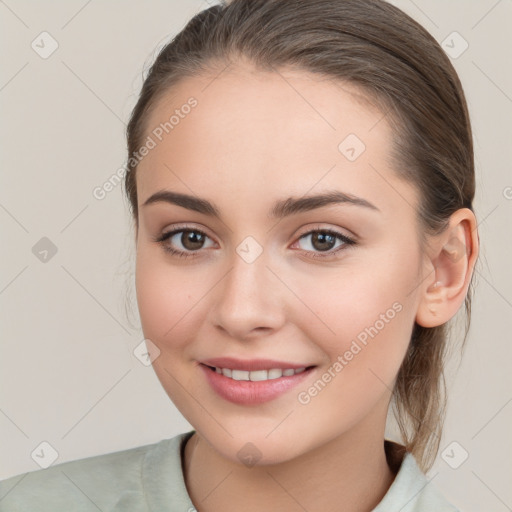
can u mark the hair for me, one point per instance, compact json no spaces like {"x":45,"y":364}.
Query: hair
{"x":397,"y":65}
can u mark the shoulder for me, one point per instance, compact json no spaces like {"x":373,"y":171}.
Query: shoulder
{"x":412,"y":491}
{"x":103,"y":482}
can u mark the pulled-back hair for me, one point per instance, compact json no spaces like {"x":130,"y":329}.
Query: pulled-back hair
{"x":400,"y":67}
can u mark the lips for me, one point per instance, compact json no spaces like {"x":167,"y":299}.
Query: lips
{"x":255,"y":381}
{"x":249,"y":392}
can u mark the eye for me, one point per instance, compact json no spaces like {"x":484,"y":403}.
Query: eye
{"x":324,"y":241}
{"x":191,"y":240}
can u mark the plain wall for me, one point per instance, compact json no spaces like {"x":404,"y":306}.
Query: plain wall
{"x":68,"y":373}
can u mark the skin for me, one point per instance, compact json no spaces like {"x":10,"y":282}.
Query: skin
{"x":254,"y":138}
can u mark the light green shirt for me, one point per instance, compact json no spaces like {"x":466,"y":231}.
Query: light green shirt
{"x":150,"y":478}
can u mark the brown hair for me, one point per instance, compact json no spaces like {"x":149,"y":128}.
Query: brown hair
{"x":398,"y":65}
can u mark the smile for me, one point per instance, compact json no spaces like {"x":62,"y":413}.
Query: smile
{"x":253,"y":387}
{"x":257,"y":375}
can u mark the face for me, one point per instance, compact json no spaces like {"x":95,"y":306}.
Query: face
{"x":327,"y":285}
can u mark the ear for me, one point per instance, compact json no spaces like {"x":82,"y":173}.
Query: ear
{"x":450,"y":264}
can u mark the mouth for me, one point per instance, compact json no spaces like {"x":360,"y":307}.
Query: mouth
{"x":258,"y":375}
{"x":244,"y":387}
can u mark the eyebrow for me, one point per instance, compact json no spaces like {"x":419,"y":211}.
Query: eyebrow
{"x":280,"y":209}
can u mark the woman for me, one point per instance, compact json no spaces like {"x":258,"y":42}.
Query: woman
{"x":301,"y":180}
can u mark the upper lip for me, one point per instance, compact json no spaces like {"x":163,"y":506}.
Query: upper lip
{"x":251,"y":365}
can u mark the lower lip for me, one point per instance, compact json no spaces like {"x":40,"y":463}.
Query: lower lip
{"x":247,"y":392}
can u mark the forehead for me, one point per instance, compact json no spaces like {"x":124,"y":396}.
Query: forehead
{"x":259,"y":134}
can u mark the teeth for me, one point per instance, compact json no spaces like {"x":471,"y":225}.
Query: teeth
{"x":258,"y":375}
{"x":239,"y":375}
{"x":275,"y":373}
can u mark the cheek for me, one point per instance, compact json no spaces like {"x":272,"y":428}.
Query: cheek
{"x":364,"y":317}
{"x":363,"y":327}
{"x":168,"y":300}
{"x":170,"y":307}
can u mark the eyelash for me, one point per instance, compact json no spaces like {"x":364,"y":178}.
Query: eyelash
{"x":162,"y":239}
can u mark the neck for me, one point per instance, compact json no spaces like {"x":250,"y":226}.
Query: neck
{"x":349,"y":473}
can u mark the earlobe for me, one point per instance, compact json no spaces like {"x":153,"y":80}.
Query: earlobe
{"x":451,"y":267}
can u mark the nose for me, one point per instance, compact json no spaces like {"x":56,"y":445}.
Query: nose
{"x":249,"y":300}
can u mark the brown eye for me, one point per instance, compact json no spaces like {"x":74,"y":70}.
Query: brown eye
{"x":324,"y":241}
{"x":192,"y":240}
{"x":183,"y":242}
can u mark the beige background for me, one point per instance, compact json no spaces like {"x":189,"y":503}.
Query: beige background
{"x":68,"y":373}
